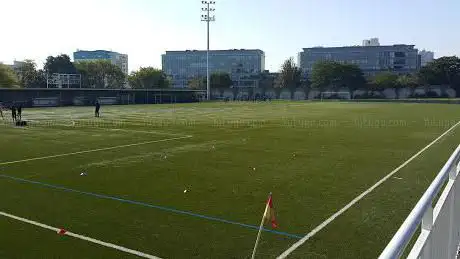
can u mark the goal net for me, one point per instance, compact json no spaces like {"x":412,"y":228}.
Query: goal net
{"x":335,"y":96}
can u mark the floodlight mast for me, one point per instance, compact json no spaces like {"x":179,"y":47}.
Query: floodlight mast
{"x":206,"y":17}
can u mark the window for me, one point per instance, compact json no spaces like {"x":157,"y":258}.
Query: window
{"x":400,"y":54}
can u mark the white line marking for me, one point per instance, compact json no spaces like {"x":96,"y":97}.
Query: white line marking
{"x":148,"y":132}
{"x":92,"y":150}
{"x":89,"y":239}
{"x":361,"y":196}
{"x":155,"y":132}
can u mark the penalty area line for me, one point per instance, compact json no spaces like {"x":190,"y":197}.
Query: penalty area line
{"x":82,"y":237}
{"x":94,"y":150}
{"x":361,"y":196}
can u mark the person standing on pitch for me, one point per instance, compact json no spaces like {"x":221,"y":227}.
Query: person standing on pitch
{"x":98,"y":106}
{"x":20,"y":112}
{"x":1,"y":111}
{"x":13,"y":112}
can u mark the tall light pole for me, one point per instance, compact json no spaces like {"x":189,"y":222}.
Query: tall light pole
{"x":206,"y":17}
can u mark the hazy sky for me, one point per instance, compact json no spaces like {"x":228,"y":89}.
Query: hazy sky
{"x":144,"y":29}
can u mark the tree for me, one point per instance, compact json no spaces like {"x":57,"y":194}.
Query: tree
{"x":266,"y":81}
{"x":147,"y":78}
{"x":352,"y":77}
{"x":100,"y":74}
{"x":60,"y":64}
{"x":336,"y":75}
{"x":290,"y":76}
{"x":114,"y":76}
{"x":322,"y":75}
{"x":220,"y":81}
{"x":40,"y":79}
{"x":197,"y":83}
{"x":407,"y":81}
{"x":386,"y":80}
{"x":8,"y":78}
{"x":442,"y":71}
{"x":29,"y":76}
{"x":278,"y":85}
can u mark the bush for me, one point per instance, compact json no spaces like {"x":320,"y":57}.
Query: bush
{"x":444,"y":95}
{"x":432,"y":94}
{"x":369,"y":95}
{"x":429,"y":94}
{"x":417,"y":95}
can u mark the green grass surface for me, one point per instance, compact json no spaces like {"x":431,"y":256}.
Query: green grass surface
{"x":314,"y":157}
{"x":412,"y":99}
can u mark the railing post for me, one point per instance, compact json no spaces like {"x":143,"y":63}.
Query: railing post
{"x":427,"y":224}
{"x":453,"y":172}
{"x":452,"y":211}
{"x":427,"y":220}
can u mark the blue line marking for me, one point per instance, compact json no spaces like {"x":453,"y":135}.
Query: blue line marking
{"x":150,"y":206}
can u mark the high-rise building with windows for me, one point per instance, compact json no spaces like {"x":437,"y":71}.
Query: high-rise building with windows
{"x":120,"y":60}
{"x":401,"y":58}
{"x":241,"y":64}
{"x":17,"y":66}
{"x":371,"y":42}
{"x":426,"y":57}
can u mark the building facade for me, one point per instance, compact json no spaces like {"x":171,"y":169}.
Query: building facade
{"x":426,"y":57}
{"x":371,"y":42}
{"x":241,"y":64}
{"x":401,"y":59}
{"x":120,"y":60}
{"x":17,"y":66}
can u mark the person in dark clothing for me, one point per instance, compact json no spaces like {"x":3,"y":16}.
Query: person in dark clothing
{"x":98,"y":107}
{"x":20,"y":112}
{"x":1,"y":111}
{"x":13,"y":112}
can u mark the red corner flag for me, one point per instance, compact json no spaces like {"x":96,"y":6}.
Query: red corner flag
{"x":269,"y":214}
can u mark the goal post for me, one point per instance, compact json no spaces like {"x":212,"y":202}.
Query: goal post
{"x":335,"y":95}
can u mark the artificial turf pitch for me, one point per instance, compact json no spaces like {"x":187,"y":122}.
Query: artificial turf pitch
{"x":313,"y":157}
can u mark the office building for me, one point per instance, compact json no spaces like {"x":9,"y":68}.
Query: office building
{"x":18,"y":67}
{"x":371,"y":42}
{"x":401,"y":59}
{"x":120,"y":60}
{"x":426,"y":57}
{"x":241,"y":64}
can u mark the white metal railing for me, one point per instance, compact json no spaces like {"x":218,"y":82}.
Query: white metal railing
{"x":440,"y":226}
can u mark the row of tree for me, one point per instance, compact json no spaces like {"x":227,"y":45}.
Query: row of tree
{"x":330,"y":75}
{"x":94,"y":74}
{"x":333,"y":75}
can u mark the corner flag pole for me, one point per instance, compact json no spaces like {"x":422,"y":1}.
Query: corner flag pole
{"x":260,"y":228}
